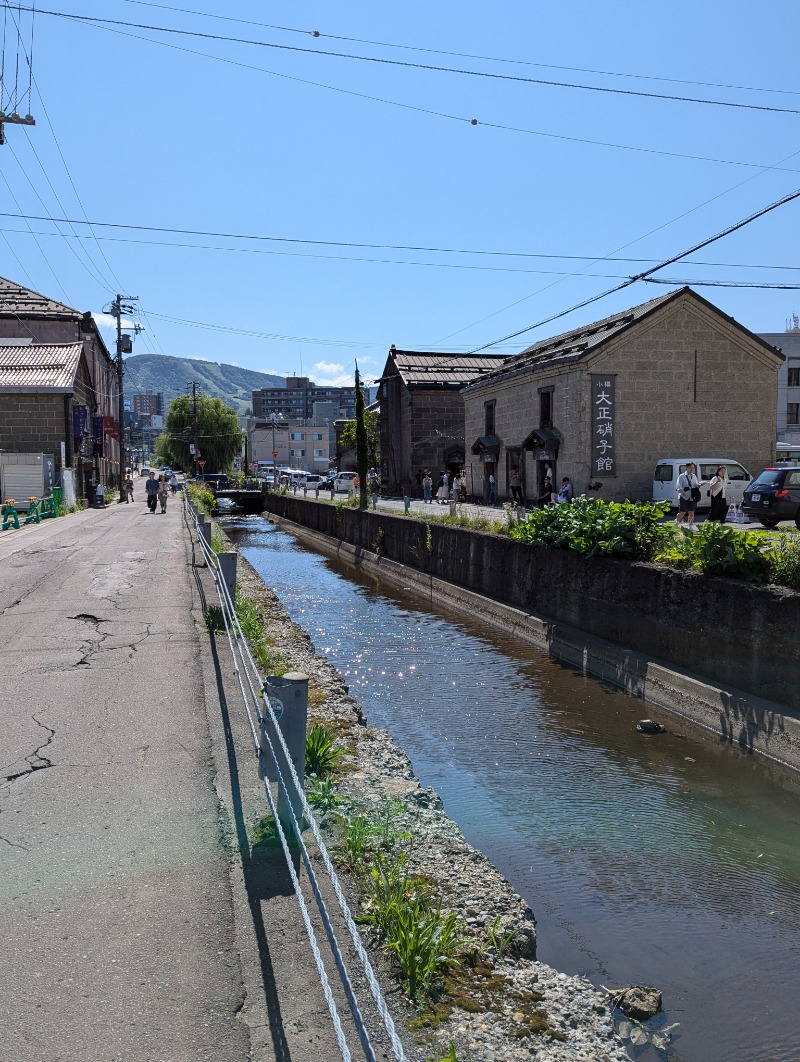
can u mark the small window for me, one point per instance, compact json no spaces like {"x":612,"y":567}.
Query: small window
{"x":794,"y":376}
{"x":545,"y":409}
{"x":663,"y":474}
{"x":792,"y":479}
{"x":793,"y":413}
{"x":488,"y":411}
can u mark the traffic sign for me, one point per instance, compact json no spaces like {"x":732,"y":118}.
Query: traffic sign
{"x":275,"y":454}
{"x":202,"y":462}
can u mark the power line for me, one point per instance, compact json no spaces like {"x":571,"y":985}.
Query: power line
{"x":429,"y":67}
{"x":721,"y":284}
{"x":643,"y":276}
{"x":462,"y":55}
{"x":353,"y":244}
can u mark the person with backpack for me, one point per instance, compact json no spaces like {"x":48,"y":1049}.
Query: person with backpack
{"x":688,"y":494}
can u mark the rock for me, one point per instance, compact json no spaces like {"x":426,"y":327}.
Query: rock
{"x":647,"y":726}
{"x":638,"y":1002}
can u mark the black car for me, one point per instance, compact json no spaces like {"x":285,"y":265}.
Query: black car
{"x":774,"y":496}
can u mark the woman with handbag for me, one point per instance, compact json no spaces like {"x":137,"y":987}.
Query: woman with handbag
{"x":716,"y":492}
{"x":688,"y":494}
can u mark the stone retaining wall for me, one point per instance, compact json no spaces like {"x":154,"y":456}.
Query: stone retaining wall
{"x":732,"y":633}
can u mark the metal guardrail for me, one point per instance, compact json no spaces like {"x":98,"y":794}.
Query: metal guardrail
{"x":253,"y":688}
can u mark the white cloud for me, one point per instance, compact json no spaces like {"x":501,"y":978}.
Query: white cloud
{"x":328,"y":368}
{"x":105,"y":320}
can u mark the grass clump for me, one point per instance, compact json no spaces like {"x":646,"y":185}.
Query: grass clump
{"x":322,"y":752}
{"x":269,"y":659}
{"x":202,"y":497}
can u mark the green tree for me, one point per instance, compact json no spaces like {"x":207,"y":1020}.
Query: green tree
{"x":372,"y":425}
{"x":219,"y":435}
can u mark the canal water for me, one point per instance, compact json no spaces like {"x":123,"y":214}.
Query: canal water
{"x":670,"y":860}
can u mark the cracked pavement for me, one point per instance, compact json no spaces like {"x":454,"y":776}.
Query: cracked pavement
{"x":117,"y":934}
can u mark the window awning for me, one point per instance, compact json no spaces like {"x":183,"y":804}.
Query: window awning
{"x":486,"y":444}
{"x":542,"y":438}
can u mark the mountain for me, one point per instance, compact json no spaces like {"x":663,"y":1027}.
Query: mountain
{"x":174,"y":376}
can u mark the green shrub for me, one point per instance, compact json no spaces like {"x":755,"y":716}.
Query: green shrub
{"x":424,"y":943}
{"x":593,"y":528}
{"x":784,"y":561}
{"x":202,"y":497}
{"x":724,"y":550}
{"x":322,"y":795}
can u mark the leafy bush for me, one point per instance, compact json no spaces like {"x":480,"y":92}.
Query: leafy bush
{"x":597,"y":528}
{"x":321,"y":752}
{"x":784,"y":561}
{"x":424,"y":943}
{"x":724,"y":550}
{"x":202,"y":497}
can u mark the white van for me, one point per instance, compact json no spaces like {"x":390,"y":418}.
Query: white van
{"x":665,"y":479}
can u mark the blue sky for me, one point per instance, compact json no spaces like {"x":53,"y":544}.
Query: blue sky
{"x":298,"y":146}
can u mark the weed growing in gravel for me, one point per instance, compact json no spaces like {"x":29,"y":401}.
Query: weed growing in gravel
{"x":269,"y":659}
{"x":322,"y":796}
{"x":218,"y":542}
{"x":214,"y":620}
{"x":321,"y":752}
{"x":497,"y":938}
{"x":784,"y":561}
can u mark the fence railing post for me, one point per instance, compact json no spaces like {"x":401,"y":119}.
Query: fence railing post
{"x":288,"y":695}
{"x":227,"y":566}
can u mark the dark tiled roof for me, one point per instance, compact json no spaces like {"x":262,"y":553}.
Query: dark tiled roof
{"x":39,"y":367}
{"x":14,"y":299}
{"x":580,"y":341}
{"x":418,"y":368}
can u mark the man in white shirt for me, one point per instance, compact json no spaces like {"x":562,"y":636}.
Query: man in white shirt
{"x":688,"y":494}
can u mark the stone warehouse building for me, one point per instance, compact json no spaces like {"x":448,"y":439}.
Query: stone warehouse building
{"x":422,"y":413}
{"x":673,"y":377}
{"x":58,"y":388}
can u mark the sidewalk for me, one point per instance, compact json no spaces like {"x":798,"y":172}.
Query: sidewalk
{"x":117,"y":932}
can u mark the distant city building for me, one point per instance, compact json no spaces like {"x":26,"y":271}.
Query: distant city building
{"x":788,"y":343}
{"x":296,"y":400}
{"x":297,"y":443}
{"x":149,"y":403}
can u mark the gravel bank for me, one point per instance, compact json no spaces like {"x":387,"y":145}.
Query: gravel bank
{"x":516,"y":993}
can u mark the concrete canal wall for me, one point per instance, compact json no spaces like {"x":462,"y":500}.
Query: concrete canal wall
{"x":719,"y":651}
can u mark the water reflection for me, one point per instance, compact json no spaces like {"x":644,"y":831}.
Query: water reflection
{"x":669,"y":860}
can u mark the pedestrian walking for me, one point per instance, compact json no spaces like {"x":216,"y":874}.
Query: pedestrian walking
{"x":151,"y":489}
{"x":173,"y":483}
{"x":427,"y":487}
{"x":492,"y":489}
{"x":716,"y":491}
{"x":443,"y":489}
{"x":128,"y":485}
{"x":515,"y":482}
{"x":163,"y":490}
{"x":689,"y":495}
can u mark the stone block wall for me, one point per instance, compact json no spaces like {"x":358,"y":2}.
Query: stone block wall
{"x":31,"y":423}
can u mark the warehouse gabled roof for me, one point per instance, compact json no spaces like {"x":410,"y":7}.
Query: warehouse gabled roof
{"x":570,"y":346}
{"x":425,"y":369}
{"x":15,"y":299}
{"x":39,"y":367}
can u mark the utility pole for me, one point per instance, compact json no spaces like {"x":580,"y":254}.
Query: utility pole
{"x":196,"y":435}
{"x":119,"y":306}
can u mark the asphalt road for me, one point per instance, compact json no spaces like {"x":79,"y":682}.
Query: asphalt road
{"x":117,"y":933}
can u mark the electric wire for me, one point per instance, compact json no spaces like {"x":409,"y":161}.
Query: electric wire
{"x":642,"y":276}
{"x":429,"y":67}
{"x":462,"y":55}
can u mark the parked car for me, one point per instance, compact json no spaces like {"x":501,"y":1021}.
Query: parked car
{"x":310,"y":482}
{"x":774,"y":496}
{"x":344,"y":482}
{"x":665,"y":478}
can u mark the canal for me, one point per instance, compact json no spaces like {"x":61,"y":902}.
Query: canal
{"x":670,"y":860}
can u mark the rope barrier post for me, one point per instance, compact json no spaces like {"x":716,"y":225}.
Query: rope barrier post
{"x":204,"y":529}
{"x":227,"y":566}
{"x":288,"y":695}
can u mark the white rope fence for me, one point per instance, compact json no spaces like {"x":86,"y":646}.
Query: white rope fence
{"x":253,"y":688}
